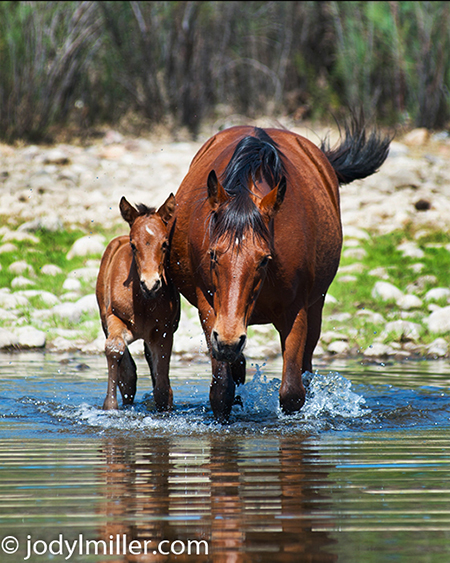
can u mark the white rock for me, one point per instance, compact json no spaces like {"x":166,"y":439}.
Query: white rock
{"x":347,"y":279}
{"x":338,"y":347}
{"x":329,"y":299}
{"x":331,"y":335}
{"x":350,"y":231}
{"x":437,"y":293}
{"x":380,"y":272}
{"x":47,"y":298}
{"x":12,"y":301}
{"x":19,"y":236}
{"x":21,"y":281}
{"x":71,"y":284}
{"x":438,"y":348}
{"x":407,"y":302}
{"x":378,"y":349}
{"x":8,"y":247}
{"x":355,"y":253}
{"x":30,"y":337}
{"x":68,"y":311}
{"x":88,"y":304}
{"x":8,"y":339}
{"x":87,"y":245}
{"x":386,"y":291}
{"x":410,"y":250}
{"x":372,"y":316}
{"x":51,"y":270}
{"x":439,"y":321}
{"x":21,"y":267}
{"x":402,"y":329}
{"x":87,"y":275}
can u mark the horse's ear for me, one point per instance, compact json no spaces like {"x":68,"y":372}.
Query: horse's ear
{"x":167,"y":209}
{"x":216,"y":194}
{"x":128,"y":212}
{"x":271,"y":203}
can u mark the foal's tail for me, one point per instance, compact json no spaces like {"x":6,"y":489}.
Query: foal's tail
{"x":359,"y":154}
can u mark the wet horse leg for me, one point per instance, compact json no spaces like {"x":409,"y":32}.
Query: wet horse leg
{"x":293,"y":338}
{"x":157,"y":353}
{"x":120,"y":365}
{"x":127,"y":378}
{"x":313,"y":333}
{"x":224,"y":374}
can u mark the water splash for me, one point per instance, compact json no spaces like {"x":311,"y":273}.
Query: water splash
{"x":329,"y":401}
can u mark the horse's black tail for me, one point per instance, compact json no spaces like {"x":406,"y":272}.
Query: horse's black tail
{"x":359,"y":154}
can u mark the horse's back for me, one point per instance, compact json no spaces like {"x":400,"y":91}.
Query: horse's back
{"x":307,"y":227}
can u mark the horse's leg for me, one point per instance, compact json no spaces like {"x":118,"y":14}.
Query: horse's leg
{"x":157,"y":353}
{"x":238,"y":370}
{"x":115,"y":350}
{"x":127,"y":378}
{"x":313,"y":333}
{"x":293,"y":338}
{"x":222,"y":390}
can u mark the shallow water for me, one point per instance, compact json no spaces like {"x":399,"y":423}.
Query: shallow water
{"x":360,"y":474}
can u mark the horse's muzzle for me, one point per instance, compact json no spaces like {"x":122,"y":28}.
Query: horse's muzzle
{"x":226,"y":351}
{"x":152,"y":292}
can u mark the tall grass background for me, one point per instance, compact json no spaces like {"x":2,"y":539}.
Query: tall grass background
{"x":77,"y":65}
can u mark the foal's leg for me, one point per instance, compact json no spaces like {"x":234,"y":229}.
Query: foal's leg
{"x":157,"y":353}
{"x":127,"y":378}
{"x":116,"y":350}
{"x":293,"y":338}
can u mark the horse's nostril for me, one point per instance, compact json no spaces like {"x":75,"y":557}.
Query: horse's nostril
{"x":215,"y":336}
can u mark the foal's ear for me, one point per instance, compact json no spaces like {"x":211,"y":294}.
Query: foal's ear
{"x":128,"y":212}
{"x":271,"y":203}
{"x":167,"y":209}
{"x":216,"y":194}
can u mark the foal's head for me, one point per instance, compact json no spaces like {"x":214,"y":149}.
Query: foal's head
{"x":149,"y":241}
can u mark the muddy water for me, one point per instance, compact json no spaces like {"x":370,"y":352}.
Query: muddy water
{"x":360,"y":475}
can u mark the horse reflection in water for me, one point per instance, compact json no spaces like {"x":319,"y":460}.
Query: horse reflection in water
{"x":137,"y":300}
{"x":246,"y":507}
{"x":257,"y":239}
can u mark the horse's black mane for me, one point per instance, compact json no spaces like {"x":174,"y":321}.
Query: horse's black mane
{"x":143,"y":209}
{"x":256,"y":157}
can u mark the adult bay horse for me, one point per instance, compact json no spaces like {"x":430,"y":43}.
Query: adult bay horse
{"x":137,"y":300}
{"x":257,"y":238}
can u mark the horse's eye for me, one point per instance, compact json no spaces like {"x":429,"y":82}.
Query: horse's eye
{"x":213,"y":257}
{"x":265,"y":261}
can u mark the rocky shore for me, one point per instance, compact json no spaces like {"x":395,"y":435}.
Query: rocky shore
{"x":79,"y":187}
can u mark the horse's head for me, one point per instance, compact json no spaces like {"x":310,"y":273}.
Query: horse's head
{"x":240,"y":253}
{"x":149,"y":241}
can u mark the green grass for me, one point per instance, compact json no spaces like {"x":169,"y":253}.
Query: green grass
{"x":381,"y":252}
{"x":353,"y":297}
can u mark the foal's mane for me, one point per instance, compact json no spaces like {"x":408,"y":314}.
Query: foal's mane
{"x":143,"y":209}
{"x":256,"y":157}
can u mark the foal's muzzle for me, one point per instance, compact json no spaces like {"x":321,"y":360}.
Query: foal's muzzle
{"x":151,"y":292}
{"x":226,"y":351}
